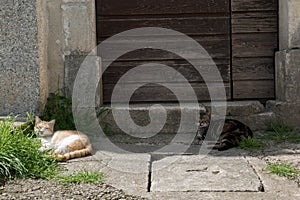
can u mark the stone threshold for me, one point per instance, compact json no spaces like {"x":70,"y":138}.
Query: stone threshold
{"x":252,"y":113}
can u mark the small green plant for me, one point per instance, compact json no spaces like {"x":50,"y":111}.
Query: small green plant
{"x":81,"y":177}
{"x":59,"y":107}
{"x":280,"y":132}
{"x":278,"y":126}
{"x":28,"y":126}
{"x":20,"y":155}
{"x":292,"y":137}
{"x":283,"y":169}
{"x":102,"y":114}
{"x":250,"y":144}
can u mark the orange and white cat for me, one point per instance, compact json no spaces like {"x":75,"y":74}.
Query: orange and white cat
{"x":66,"y":144}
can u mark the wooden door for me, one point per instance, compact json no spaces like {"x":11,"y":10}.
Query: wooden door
{"x":206,"y":21}
{"x":240,"y":35}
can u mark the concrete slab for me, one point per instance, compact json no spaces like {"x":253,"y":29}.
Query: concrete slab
{"x":221,"y":196}
{"x":128,"y":172}
{"x":273,"y":183}
{"x":210,"y":174}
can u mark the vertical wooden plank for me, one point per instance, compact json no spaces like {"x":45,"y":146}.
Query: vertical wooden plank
{"x":254,"y":42}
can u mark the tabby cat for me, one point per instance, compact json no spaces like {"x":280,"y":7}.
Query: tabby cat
{"x":232,"y":132}
{"x":65,"y":144}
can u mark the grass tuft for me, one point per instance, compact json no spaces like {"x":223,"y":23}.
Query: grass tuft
{"x":81,"y":177}
{"x":280,"y":132}
{"x":283,"y":169}
{"x":291,"y":137}
{"x":20,"y":155}
{"x":250,"y":144}
{"x":278,"y":126}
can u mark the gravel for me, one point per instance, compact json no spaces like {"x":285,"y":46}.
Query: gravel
{"x":42,"y":189}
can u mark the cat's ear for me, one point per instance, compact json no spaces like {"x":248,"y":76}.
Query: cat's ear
{"x":52,"y":123}
{"x":37,"y":120}
{"x":209,"y":114}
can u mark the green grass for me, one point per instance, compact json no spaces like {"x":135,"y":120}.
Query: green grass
{"x":291,"y":137}
{"x":20,"y":155}
{"x":280,"y":132}
{"x":278,"y":126}
{"x":28,"y":126}
{"x":250,"y":144}
{"x":81,"y":177}
{"x":283,"y":169}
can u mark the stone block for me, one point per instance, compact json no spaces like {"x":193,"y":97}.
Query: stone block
{"x":240,"y":108}
{"x":252,"y":113}
{"x":79,"y":19}
{"x":289,"y":24}
{"x":288,"y":112}
{"x":71,"y":66}
{"x":54,"y":43}
{"x":70,"y":26}
{"x":256,"y":121}
{"x":140,"y":115}
{"x":288,"y":75}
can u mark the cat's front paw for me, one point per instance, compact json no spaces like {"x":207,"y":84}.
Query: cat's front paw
{"x":46,"y":148}
{"x":61,"y":150}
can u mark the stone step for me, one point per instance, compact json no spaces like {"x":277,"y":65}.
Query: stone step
{"x":252,"y":113}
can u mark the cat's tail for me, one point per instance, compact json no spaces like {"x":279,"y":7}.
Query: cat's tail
{"x":76,"y":154}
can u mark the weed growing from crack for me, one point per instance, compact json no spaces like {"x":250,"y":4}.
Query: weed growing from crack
{"x":283,"y":169}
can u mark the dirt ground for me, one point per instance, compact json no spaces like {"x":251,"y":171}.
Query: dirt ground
{"x":43,"y":189}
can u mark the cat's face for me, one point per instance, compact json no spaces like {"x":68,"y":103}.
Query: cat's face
{"x":43,"y":128}
{"x":203,"y":125}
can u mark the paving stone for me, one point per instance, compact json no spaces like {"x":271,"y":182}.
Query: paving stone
{"x":211,"y":174}
{"x":128,"y":172}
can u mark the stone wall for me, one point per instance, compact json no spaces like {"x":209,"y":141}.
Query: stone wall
{"x":71,"y":35}
{"x":287,"y":104}
{"x":42,"y":46}
{"x":19,"y":60}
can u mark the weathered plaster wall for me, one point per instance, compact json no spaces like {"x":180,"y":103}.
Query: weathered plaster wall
{"x":19,"y":60}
